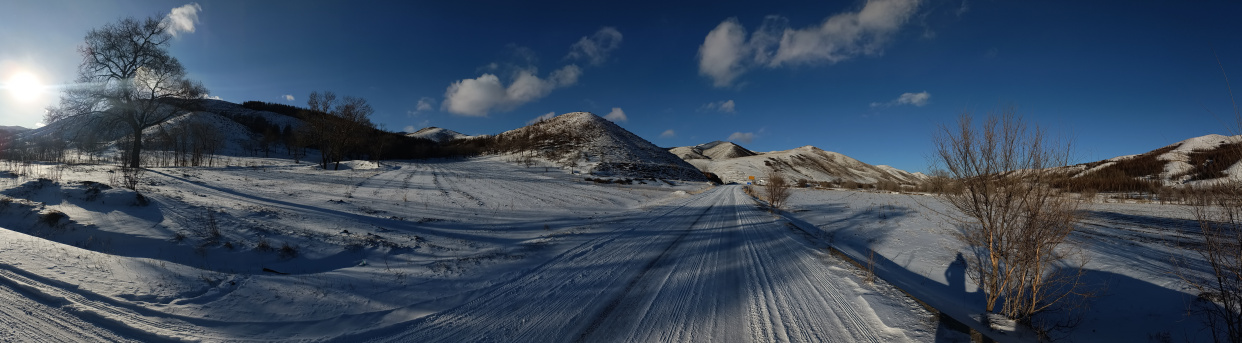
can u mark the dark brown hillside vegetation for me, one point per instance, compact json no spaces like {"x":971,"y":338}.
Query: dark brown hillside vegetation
{"x":1211,"y":164}
{"x":1136,"y":174}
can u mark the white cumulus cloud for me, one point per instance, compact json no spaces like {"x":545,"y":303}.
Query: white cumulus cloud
{"x":668,"y":134}
{"x":726,"y":106}
{"x":743,"y":137}
{"x":617,"y":115}
{"x":288,"y":97}
{"x":182,"y":19}
{"x":543,"y":117}
{"x":727,"y":53}
{"x":917,"y":99}
{"x":478,"y":96}
{"x":596,"y":48}
{"x":409,"y":128}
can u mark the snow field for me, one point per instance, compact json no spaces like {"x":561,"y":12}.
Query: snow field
{"x":1129,"y":247}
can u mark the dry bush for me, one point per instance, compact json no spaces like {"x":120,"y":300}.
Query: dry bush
{"x":1218,"y":209}
{"x":776,"y":189}
{"x":1219,"y":213}
{"x":1009,"y":215}
{"x":127,"y":177}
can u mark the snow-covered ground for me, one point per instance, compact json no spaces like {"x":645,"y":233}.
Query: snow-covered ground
{"x":1130,"y":250}
{"x":444,"y":250}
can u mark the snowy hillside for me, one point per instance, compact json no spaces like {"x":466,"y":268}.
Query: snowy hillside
{"x":437,"y":134}
{"x":585,"y":140}
{"x":1206,"y":159}
{"x":733,"y":163}
{"x":716,"y":150}
{"x":12,"y":129}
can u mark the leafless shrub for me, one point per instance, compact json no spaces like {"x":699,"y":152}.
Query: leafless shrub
{"x":52,"y":218}
{"x":127,"y":177}
{"x":1219,"y":213}
{"x":776,"y":189}
{"x":263,"y":245}
{"x":288,"y":251}
{"x":1009,"y":215}
{"x":1218,"y":209}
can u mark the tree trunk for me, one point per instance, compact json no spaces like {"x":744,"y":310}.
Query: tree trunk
{"x":135,"y":150}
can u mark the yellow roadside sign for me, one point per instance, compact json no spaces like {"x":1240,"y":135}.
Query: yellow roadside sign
{"x":752,"y":177}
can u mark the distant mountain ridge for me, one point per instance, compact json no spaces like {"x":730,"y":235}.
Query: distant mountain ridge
{"x":733,"y":163}
{"x":716,"y":150}
{"x":1205,"y":159}
{"x":585,"y":140}
{"x":440,"y":135}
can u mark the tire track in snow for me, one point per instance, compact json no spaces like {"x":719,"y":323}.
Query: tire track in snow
{"x":713,"y":269}
{"x":26,"y":320}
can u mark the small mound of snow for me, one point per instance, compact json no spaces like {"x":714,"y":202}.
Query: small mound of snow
{"x":357,"y":165}
{"x":681,"y":194}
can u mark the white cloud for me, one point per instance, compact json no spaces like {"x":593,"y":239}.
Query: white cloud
{"x":212,"y":97}
{"x":595,"y":49}
{"x":617,"y":115}
{"x":409,"y":128}
{"x":726,"y":106}
{"x":743,"y":137}
{"x":288,"y":97}
{"x":668,"y":134}
{"x":720,"y":56}
{"x":478,"y":96}
{"x":917,"y":99}
{"x":726,"y":53}
{"x":961,"y":10}
{"x":543,"y":117}
{"x":182,"y":19}
{"x":425,"y":104}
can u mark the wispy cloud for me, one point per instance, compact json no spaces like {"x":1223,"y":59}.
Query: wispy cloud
{"x":596,"y":48}
{"x":668,"y":134}
{"x":917,"y":99}
{"x":543,"y":117}
{"x":425,"y":104}
{"x":288,"y":97}
{"x":727,"y":53}
{"x":409,"y":128}
{"x":478,"y":96}
{"x":742,"y":137}
{"x":182,"y":19}
{"x":617,"y":115}
{"x":726,"y":106}
{"x":212,"y":97}
{"x":961,"y":10}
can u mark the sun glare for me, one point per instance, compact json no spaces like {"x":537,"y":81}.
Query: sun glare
{"x":24,"y":86}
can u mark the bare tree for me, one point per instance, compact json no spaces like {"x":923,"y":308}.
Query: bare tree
{"x":1218,"y":209}
{"x":127,"y":79}
{"x":343,"y":130}
{"x":776,"y":189}
{"x":1009,"y":215}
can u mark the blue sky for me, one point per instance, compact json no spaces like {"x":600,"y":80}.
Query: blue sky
{"x":869,"y":79}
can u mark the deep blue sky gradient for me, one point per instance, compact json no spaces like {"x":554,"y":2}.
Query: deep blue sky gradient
{"x":1119,"y":77}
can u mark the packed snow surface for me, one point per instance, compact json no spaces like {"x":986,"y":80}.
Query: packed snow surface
{"x":441,"y":250}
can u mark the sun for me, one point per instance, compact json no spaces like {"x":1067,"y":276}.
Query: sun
{"x":24,"y":86}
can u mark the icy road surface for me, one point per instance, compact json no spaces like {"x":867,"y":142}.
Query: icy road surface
{"x":713,"y":268}
{"x":472,"y":251}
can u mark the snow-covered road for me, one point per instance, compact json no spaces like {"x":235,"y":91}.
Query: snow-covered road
{"x":473,"y":250}
{"x":712,"y":268}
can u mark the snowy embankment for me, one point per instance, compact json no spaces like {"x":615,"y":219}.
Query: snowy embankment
{"x":1130,"y":248}
{"x":474,"y":249}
